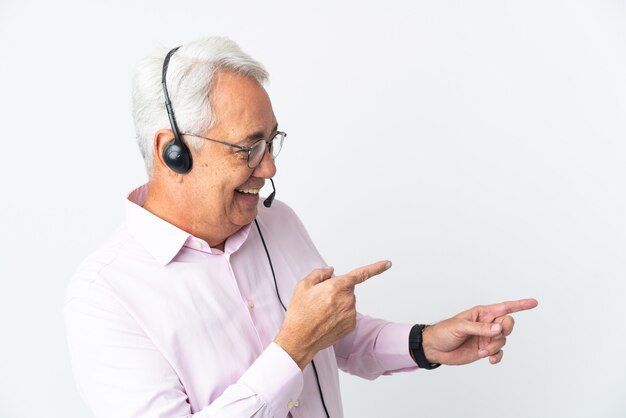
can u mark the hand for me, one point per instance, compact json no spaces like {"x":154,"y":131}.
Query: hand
{"x":322,"y":310}
{"x":473,"y":334}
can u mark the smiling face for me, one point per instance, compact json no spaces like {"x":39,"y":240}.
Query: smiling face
{"x":221,"y":191}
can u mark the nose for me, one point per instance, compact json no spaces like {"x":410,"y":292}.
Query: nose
{"x":266,"y":168}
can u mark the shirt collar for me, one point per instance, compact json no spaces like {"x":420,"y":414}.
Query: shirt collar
{"x":162,"y":239}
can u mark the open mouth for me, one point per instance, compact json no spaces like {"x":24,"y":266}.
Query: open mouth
{"x":253,"y":192}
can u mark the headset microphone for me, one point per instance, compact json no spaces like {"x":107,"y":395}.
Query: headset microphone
{"x":268,"y":202}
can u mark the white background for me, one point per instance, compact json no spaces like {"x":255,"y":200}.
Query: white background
{"x":480,"y":145}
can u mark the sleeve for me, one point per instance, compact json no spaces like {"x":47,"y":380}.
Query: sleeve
{"x":375,"y":347}
{"x":121,"y":374}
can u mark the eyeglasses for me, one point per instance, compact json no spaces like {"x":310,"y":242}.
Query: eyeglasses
{"x":256,"y":151}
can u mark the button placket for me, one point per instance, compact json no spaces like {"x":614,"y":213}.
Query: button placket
{"x":244,"y":300}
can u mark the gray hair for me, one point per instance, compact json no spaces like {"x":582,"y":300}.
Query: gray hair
{"x":189,"y":76}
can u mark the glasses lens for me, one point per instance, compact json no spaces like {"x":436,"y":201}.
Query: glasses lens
{"x":277,"y":144}
{"x":256,"y":153}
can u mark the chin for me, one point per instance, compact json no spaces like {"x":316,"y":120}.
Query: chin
{"x":243,"y":218}
{"x":245,"y":209}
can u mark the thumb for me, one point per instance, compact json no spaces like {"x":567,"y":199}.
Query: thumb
{"x":479,"y":329}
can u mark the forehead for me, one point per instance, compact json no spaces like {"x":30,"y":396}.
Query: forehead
{"x":240,"y":106}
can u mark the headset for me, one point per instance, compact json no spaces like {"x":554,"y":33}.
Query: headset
{"x":177,"y":157}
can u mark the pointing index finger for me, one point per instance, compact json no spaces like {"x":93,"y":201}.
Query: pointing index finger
{"x":505,"y":308}
{"x":361,"y":274}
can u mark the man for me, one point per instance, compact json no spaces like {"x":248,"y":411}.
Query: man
{"x":207,"y":303}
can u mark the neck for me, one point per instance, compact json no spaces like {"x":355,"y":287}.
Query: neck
{"x":172,"y":206}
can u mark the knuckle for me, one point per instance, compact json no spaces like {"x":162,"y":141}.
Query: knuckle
{"x":330,"y":298}
{"x":358,"y":276}
{"x":335,"y":288}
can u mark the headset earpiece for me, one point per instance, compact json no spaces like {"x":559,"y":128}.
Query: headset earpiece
{"x":177,"y":158}
{"x":176,"y":155}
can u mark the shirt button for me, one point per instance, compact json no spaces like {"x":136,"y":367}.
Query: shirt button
{"x":197,"y":244}
{"x":290,"y":404}
{"x":250,"y":303}
{"x":296,"y":403}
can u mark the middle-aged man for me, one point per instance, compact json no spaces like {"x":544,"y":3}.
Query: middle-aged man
{"x":206,"y":303}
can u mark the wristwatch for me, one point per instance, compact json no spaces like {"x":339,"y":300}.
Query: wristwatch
{"x":417,"y":350}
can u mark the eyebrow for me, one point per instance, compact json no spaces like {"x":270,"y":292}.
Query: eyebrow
{"x":254,"y":137}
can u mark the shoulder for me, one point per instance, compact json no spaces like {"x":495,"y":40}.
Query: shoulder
{"x":89,"y":277}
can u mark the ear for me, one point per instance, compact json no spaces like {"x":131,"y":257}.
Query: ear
{"x":161,"y":138}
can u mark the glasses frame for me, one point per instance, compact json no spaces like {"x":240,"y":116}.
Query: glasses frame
{"x":247,"y":149}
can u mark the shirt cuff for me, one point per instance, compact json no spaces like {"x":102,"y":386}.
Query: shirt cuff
{"x":276,"y":378}
{"x":392,"y":348}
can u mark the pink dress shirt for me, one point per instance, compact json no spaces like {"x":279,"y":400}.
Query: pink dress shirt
{"x":161,"y":325}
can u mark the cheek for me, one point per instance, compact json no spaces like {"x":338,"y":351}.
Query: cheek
{"x":219,"y":178}
{"x":229,"y":181}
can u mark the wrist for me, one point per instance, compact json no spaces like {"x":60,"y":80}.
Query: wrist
{"x":427,"y":345}
{"x":301,"y":356}
{"x":420,"y":348}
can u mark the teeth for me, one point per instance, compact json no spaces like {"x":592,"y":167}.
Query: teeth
{"x":249,"y":191}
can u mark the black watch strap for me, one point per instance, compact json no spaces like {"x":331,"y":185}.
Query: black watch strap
{"x":417,"y":350}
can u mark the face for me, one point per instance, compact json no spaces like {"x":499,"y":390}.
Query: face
{"x":223,"y":190}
